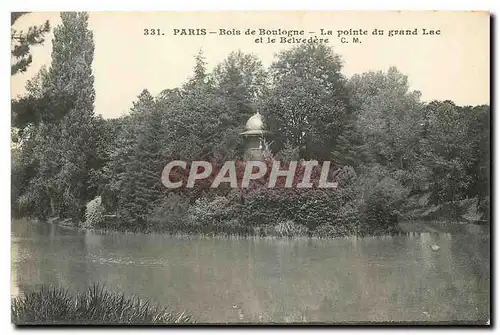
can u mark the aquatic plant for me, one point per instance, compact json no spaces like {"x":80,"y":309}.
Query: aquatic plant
{"x":97,"y":305}
{"x":289,"y":228}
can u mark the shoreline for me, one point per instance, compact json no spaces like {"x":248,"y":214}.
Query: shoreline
{"x":405,"y":227}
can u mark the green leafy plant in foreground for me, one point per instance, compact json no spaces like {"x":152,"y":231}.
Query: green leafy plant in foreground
{"x":97,"y":305}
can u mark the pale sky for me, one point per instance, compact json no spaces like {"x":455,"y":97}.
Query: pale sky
{"x":451,"y":66}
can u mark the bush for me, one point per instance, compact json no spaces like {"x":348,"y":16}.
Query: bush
{"x":314,"y":208}
{"x":170,"y":214}
{"x":307,"y":207}
{"x":378,"y":215}
{"x":209,"y":211}
{"x":379,"y":198}
{"x":94,"y":213}
{"x":346,"y":222}
{"x":260,"y":208}
{"x":95,"y":306}
{"x":270,"y":212}
{"x":218,"y":215}
{"x":345,"y":176}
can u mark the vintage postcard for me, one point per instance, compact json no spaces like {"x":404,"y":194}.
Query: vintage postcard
{"x":250,"y":168}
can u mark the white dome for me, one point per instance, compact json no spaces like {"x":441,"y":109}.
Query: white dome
{"x":255,"y":122}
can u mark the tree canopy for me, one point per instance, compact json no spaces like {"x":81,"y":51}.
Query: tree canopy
{"x":394,"y":155}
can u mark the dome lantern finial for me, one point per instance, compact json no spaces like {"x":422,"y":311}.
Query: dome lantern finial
{"x":255,"y":122}
{"x":255,"y":136}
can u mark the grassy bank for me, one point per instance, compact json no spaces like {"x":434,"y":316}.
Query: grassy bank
{"x":97,"y":306}
{"x":284,"y":232}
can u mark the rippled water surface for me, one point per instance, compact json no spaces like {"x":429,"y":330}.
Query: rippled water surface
{"x":268,"y":280}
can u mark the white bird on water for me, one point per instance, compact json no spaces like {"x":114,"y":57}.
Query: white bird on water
{"x":435,"y":247}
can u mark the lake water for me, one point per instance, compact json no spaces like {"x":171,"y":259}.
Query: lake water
{"x":220,"y":280}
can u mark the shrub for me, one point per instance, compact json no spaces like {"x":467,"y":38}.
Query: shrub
{"x":345,"y":222}
{"x":378,"y":214}
{"x":94,"y":213}
{"x":469,"y":210}
{"x":420,"y":207}
{"x":484,"y":207}
{"x":379,"y":198}
{"x":208,"y":211}
{"x":97,"y":305}
{"x":307,"y":207}
{"x":314,"y":208}
{"x":271,"y":212}
{"x":218,"y":215}
{"x":261,"y":208}
{"x":170,"y":214}
{"x":264,"y":230}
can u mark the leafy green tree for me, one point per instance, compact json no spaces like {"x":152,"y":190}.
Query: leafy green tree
{"x":118,"y":153}
{"x":39,"y":156}
{"x":205,"y":116}
{"x":456,"y":149}
{"x":307,"y":103}
{"x":71,"y":73}
{"x":479,"y":134}
{"x":240,"y":80}
{"x":63,"y":140}
{"x":72,"y":56}
{"x":138,"y":163}
{"x":389,"y":117}
{"x":401,"y":149}
{"x":195,"y":122}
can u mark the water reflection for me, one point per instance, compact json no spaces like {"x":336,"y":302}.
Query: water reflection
{"x":250,"y":280}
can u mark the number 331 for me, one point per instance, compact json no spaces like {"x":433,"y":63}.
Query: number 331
{"x":153,"y":32}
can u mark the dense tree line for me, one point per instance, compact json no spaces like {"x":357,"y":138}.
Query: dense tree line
{"x":396,"y":157}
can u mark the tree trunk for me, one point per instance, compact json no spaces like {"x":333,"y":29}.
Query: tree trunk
{"x":52,"y":206}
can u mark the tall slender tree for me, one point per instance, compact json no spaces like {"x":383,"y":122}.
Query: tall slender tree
{"x":65,"y":138}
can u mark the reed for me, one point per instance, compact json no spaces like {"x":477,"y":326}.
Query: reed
{"x":95,"y":306}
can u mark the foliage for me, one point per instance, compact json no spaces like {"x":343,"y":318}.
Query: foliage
{"x":456,"y":144}
{"x":139,"y":183}
{"x":96,"y":306}
{"x":170,"y":214}
{"x":379,"y":198}
{"x":59,"y":148}
{"x":219,"y":215}
{"x":21,"y":43}
{"x":307,"y":102}
{"x":466,"y":210}
{"x":288,"y":153}
{"x":394,"y":157}
{"x":389,"y":117}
